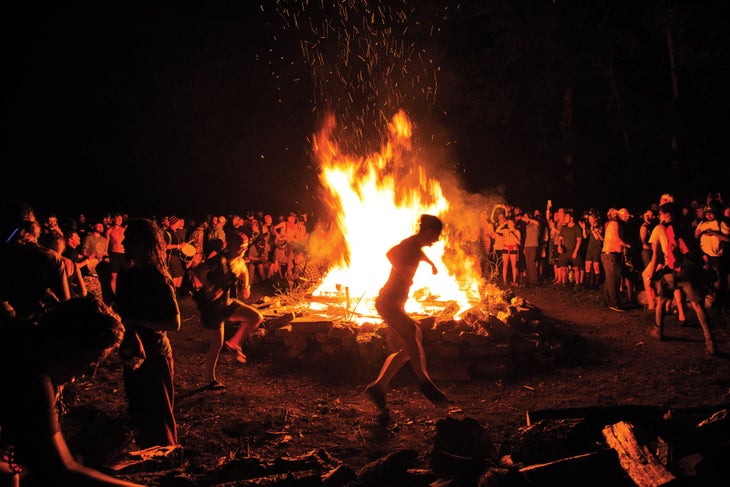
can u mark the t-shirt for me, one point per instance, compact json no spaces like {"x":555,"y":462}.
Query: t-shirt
{"x":570,"y":235}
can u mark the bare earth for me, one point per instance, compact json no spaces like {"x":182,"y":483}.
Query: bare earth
{"x":269,"y":411}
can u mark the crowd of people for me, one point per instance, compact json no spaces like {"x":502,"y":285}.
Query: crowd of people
{"x":660,"y":259}
{"x":73,"y":291}
{"x":663,"y":258}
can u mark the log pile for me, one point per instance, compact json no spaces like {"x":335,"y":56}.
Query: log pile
{"x":620,"y":445}
{"x":495,"y":339}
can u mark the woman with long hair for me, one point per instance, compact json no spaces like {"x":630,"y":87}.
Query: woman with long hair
{"x":147,"y":303}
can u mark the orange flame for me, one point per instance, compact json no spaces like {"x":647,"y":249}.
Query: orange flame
{"x":377,"y":201}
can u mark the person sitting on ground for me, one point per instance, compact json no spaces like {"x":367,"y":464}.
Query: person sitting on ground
{"x":39,"y":357}
{"x":303,"y":274}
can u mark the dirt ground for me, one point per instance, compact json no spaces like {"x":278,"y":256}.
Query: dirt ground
{"x":270,"y":411}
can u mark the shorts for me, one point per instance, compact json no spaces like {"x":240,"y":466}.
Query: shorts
{"x":510,"y":250}
{"x":566,"y":260}
{"x":666,"y":282}
{"x":214,"y":314}
{"x":593,"y":253}
{"x":118,"y":262}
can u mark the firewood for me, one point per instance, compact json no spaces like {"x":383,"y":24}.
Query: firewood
{"x":636,"y":459}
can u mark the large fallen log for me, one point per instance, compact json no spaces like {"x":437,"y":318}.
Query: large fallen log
{"x":636,"y":459}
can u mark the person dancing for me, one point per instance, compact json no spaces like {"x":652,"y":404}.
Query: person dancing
{"x":213,"y":281}
{"x":404,"y":334}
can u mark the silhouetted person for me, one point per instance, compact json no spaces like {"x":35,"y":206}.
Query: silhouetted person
{"x":405,"y":336}
{"x":67,"y":341}
{"x":146,"y":301}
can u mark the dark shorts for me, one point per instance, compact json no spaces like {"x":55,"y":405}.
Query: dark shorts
{"x":214,"y":314}
{"x":510,"y":251}
{"x":118,"y":262}
{"x":566,"y":260}
{"x":593,"y":253}
{"x":690,"y":283}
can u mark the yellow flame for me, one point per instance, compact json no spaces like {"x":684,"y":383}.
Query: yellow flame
{"x":378,"y":199}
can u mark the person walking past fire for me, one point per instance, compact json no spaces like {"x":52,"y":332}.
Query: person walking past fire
{"x":404,"y":335}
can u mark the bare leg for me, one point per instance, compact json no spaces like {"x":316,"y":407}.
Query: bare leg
{"x":113,"y":282}
{"x":513,"y":260}
{"x":215,"y":343}
{"x":248,"y":319}
{"x":679,"y":301}
{"x":392,"y":364}
{"x":649,"y":291}
{"x":657,"y":330}
{"x":699,"y":310}
{"x":406,"y":337}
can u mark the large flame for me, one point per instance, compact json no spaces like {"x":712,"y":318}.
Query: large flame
{"x":377,"y":200}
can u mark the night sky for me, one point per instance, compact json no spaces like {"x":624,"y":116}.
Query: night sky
{"x":191,"y":108}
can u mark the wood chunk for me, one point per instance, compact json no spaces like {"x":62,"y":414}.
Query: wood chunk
{"x":636,"y":459}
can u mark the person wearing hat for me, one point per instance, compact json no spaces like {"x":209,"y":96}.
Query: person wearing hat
{"x":713,"y":234}
{"x":678,"y":271}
